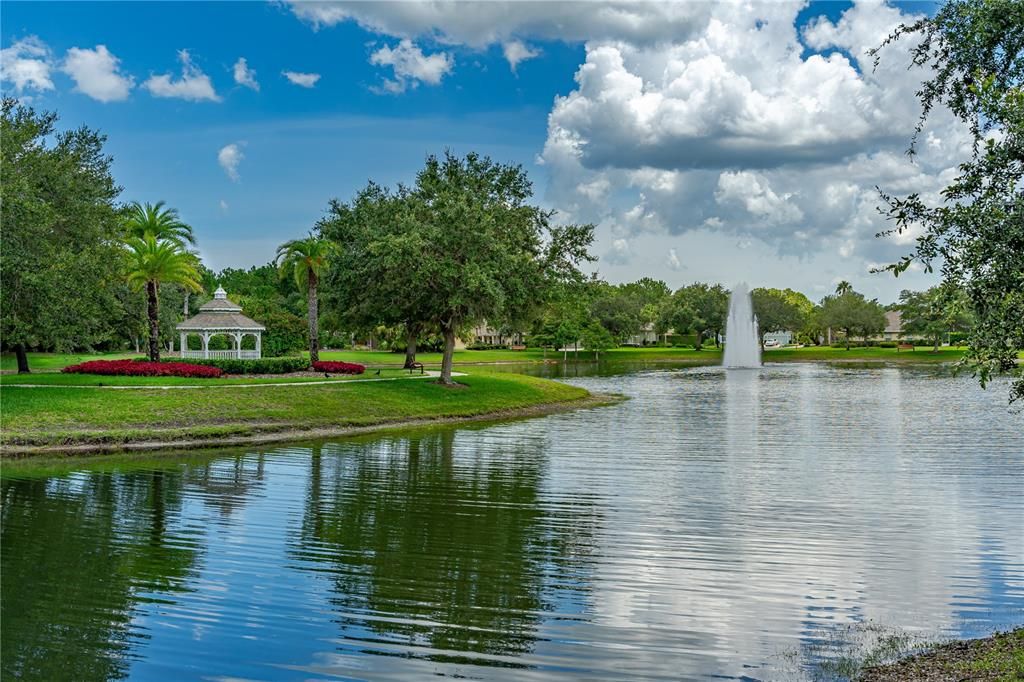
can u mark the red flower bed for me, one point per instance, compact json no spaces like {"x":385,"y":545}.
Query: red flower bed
{"x":144,"y":368}
{"x":338,"y":367}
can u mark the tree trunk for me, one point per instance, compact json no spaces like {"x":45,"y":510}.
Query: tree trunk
{"x":449,"y":351}
{"x":314,"y":331}
{"x":847,"y":339}
{"x":22,"y":355}
{"x":700,"y":339}
{"x":154,"y":321}
{"x":185,"y":308}
{"x":411,"y":337}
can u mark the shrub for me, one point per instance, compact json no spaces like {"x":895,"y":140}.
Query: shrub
{"x":283,"y":365}
{"x":487,"y":346}
{"x":887,"y":344}
{"x":144,"y":368}
{"x":338,"y":367}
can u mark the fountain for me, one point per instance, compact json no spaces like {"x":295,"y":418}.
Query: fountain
{"x":742,"y":348}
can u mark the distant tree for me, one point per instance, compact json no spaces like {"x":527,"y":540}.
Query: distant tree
{"x":487,"y":252}
{"x":285,"y":332}
{"x":843,"y":287}
{"x":934,"y":313}
{"x":618,"y":310}
{"x":60,"y":252}
{"x":699,"y":308}
{"x":677,"y":316}
{"x":305,"y":261}
{"x":853,"y":314}
{"x":152,"y":262}
{"x":973,"y":51}
{"x":381,"y":241}
{"x":777,"y":310}
{"x":597,"y":339}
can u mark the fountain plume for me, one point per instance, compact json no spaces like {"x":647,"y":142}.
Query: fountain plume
{"x":742,"y":349}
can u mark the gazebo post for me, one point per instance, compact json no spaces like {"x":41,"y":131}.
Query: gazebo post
{"x":238,"y":344}
{"x":259,"y":345}
{"x":184,"y":344}
{"x":206,"y":345}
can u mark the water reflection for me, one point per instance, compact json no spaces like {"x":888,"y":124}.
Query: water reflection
{"x":700,"y":529}
{"x":80,"y":553}
{"x":447,"y":558}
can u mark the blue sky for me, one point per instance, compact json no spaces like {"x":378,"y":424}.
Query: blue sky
{"x":397,"y":81}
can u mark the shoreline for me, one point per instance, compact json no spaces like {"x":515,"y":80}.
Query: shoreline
{"x":259,"y":435}
{"x":996,"y":658}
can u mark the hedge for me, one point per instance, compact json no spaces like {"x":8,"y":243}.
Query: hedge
{"x":283,"y":365}
{"x":144,"y":368}
{"x":338,"y":367}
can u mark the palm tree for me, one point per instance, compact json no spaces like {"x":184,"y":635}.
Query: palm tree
{"x":306,"y":260}
{"x":162,"y":224}
{"x":151,"y":262}
{"x":844,"y":288}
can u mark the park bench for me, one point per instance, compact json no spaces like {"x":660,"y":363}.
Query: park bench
{"x":904,"y":346}
{"x":416,"y":365}
{"x":518,"y":347}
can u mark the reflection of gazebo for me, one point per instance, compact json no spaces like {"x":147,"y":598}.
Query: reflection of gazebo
{"x":221,"y":316}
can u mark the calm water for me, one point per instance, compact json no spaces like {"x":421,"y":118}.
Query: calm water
{"x":716,"y":525}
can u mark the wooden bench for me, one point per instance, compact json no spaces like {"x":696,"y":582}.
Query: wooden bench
{"x":415,"y":366}
{"x":904,"y":346}
{"x":518,"y":347}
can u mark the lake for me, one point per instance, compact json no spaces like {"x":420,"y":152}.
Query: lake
{"x":727,"y":525}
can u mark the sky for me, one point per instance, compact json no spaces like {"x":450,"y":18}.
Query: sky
{"x":723,"y":142}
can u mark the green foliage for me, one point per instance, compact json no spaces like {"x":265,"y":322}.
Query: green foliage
{"x":934,"y":313}
{"x":305,"y":261}
{"x":974,"y":53}
{"x":596,"y":338}
{"x":699,"y":309}
{"x":60,"y":262}
{"x":461,"y":247}
{"x":162,"y":224}
{"x":850,"y":312}
{"x":286,"y":333}
{"x":779,"y":310}
{"x":261,"y":366}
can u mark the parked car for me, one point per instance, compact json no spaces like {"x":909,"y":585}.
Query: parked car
{"x":772,"y":343}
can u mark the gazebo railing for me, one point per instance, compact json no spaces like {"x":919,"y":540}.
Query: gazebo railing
{"x":222,"y":354}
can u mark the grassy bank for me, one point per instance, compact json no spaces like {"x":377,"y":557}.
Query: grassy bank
{"x":73,"y":416}
{"x":999,"y":658}
{"x":59,"y":379}
{"x":52,"y":362}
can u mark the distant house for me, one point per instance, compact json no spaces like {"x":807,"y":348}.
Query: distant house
{"x":646,"y":337}
{"x":893,"y":325}
{"x":487,"y":335}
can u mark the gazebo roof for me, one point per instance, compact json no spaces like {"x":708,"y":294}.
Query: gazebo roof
{"x":220,"y":314}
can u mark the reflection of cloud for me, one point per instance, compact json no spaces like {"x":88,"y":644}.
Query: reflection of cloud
{"x":755,"y":509}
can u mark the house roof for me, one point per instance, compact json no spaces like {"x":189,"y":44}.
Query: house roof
{"x":220,"y":320}
{"x":220,"y":314}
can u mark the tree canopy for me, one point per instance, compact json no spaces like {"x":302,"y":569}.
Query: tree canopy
{"x":974,"y":53}
{"x":60,"y":260}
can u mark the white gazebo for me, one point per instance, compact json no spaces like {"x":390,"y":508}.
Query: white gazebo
{"x":221,"y":316}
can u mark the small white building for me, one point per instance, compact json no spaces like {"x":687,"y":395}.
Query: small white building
{"x":221,"y":316}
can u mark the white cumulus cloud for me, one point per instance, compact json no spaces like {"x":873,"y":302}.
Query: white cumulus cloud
{"x":193,"y":85}
{"x":244,"y":75}
{"x":305,"y":80}
{"x":229,"y":156}
{"x":97,"y":74}
{"x":27,"y":64}
{"x":411,"y":66}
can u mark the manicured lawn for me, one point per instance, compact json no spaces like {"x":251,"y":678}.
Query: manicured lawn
{"x":73,"y":415}
{"x":50,"y":362}
{"x":60,"y":379}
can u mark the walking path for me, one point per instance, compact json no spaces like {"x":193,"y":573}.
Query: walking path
{"x":427,"y":375}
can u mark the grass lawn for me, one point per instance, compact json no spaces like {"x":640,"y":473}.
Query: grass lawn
{"x":51,"y":362}
{"x":61,"y":416}
{"x":59,"y":379}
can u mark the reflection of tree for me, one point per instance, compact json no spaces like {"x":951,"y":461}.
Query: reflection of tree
{"x":431,"y":550}
{"x":78,"y":554}
{"x":227,"y":481}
